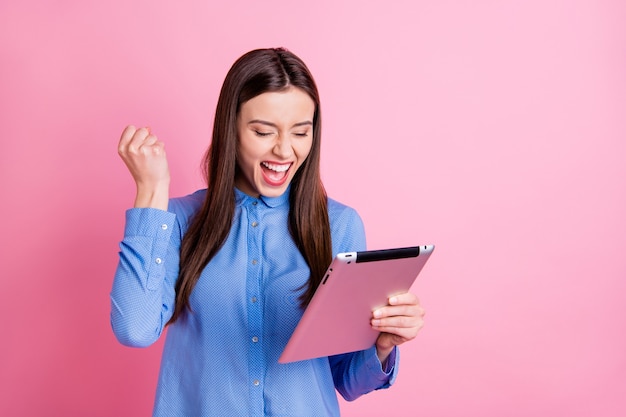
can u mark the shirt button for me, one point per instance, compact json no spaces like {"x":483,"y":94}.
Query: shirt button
{"x":254,"y":262}
{"x":158,"y":261}
{"x":254,"y":224}
{"x":254,"y":203}
{"x":253,"y":299}
{"x":164,"y":226}
{"x":256,"y":382}
{"x":255,"y":339}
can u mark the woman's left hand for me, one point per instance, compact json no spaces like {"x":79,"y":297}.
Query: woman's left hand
{"x":398,"y":322}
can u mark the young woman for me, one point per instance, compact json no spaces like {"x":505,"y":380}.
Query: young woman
{"x":230,"y":268}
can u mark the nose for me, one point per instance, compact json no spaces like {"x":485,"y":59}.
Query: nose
{"x":283,"y":147}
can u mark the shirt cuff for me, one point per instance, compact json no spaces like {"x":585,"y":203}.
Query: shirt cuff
{"x":388,"y":374}
{"x":147,"y":235}
{"x":148,"y":222}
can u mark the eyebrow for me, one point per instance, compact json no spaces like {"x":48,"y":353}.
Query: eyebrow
{"x":266,"y":123}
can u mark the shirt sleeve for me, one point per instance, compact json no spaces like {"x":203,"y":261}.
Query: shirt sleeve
{"x":358,"y":373}
{"x":143,"y":294}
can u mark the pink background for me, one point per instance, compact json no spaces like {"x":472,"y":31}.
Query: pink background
{"x":493,"y":129}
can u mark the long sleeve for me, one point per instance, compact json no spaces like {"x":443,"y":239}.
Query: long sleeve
{"x":358,"y":373}
{"x":142,"y":297}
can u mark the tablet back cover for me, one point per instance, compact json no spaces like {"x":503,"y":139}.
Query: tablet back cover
{"x":337,"y":320}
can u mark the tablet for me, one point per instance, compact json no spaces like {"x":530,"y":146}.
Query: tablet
{"x":337,"y":320}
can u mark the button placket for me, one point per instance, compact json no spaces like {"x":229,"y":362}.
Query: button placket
{"x":253,"y":290}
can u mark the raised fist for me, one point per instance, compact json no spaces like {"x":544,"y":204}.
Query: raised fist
{"x":144,"y":155}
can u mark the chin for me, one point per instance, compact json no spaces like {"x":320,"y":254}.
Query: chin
{"x":273,"y":191}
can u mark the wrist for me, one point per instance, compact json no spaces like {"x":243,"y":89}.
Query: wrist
{"x":383,"y":354}
{"x":156,"y":196}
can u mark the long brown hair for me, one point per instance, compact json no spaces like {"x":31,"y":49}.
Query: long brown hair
{"x":255,"y":73}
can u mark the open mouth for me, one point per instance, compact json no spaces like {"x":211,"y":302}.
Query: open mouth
{"x":275,"y":174}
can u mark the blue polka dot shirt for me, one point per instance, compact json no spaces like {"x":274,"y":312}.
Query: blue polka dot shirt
{"x":221,"y":359}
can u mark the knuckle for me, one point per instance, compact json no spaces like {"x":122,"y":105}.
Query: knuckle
{"x":145,"y":151}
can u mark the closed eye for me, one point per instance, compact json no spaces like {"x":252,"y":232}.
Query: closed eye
{"x":262,"y":134}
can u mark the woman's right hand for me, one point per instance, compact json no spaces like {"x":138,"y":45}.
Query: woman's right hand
{"x":144,"y":155}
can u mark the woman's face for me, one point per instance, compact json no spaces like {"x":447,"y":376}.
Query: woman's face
{"x":275,"y":135}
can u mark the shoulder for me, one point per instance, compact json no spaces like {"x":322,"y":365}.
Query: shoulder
{"x":186,"y":207}
{"x":341,"y":212}
{"x":346,"y":227}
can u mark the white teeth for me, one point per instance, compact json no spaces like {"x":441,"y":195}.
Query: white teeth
{"x":276,"y":167}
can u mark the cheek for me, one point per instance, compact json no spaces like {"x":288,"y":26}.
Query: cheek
{"x":303,"y":150}
{"x":245,"y":154}
{"x":243,"y":160}
{"x":246,"y":164}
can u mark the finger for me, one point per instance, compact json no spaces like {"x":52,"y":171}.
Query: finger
{"x":403,"y":322}
{"x":411,"y":310}
{"x":158,"y":148}
{"x":402,"y":334}
{"x":138,"y":139}
{"x":149,"y":141}
{"x":405,"y":298}
{"x":399,"y":332}
{"x":398,"y":336}
{"x":407,"y":332}
{"x":125,"y":138}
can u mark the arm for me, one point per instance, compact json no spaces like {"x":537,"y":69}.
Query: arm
{"x":358,"y":373}
{"x":143,"y":291}
{"x":142,"y":297}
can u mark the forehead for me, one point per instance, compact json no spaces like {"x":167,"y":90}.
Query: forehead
{"x":290,"y":105}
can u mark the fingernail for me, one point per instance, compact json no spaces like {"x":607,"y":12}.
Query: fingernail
{"x":378,"y":313}
{"x":393,"y":300}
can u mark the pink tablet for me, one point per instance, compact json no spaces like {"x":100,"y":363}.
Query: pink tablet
{"x":337,"y":320}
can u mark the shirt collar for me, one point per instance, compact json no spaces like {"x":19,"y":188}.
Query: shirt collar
{"x":242,"y":198}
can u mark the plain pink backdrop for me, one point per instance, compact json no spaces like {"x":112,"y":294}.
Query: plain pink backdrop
{"x":493,"y":129}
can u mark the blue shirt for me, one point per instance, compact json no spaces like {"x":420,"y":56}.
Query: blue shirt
{"x":222,"y":359}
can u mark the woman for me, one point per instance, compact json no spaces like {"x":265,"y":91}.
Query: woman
{"x":230,"y":268}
